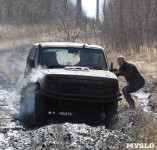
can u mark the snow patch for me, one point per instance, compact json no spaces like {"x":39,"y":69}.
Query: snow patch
{"x":1,"y":137}
{"x":9,"y":98}
{"x":143,"y":99}
{"x":142,"y":95}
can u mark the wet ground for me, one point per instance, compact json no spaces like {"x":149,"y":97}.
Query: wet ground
{"x":66,"y":132}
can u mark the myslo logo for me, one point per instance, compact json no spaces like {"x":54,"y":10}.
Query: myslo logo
{"x":140,"y":145}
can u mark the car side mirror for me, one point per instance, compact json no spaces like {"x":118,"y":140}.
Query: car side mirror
{"x":31,"y":63}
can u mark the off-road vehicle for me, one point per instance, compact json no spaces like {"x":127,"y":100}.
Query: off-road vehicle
{"x":77,"y":79}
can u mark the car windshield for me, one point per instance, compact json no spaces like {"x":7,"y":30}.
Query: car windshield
{"x":83,"y":57}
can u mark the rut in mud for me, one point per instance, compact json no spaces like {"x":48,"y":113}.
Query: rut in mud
{"x":67,"y":132}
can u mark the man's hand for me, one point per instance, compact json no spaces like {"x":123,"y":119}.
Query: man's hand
{"x":113,"y":70}
{"x":117,"y":72}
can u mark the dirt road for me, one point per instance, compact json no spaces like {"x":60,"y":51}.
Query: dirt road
{"x":67,"y":132}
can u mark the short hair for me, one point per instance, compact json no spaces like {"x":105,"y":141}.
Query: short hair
{"x":121,"y":57}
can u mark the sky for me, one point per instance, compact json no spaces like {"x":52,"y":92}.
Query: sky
{"x":89,"y":6}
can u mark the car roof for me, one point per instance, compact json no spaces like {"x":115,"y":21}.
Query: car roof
{"x":67,"y":44}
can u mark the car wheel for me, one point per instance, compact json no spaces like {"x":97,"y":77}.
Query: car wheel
{"x":27,"y":104}
{"x":111,"y":114}
{"x":41,"y":114}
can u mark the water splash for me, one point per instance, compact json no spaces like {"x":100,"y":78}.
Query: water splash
{"x":143,"y":99}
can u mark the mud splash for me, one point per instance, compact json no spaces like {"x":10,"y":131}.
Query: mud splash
{"x":72,"y":136}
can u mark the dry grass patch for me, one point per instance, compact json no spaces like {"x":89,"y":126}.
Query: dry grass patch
{"x":11,"y":36}
{"x":146,"y":132}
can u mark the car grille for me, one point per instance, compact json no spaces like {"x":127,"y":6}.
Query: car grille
{"x":73,"y":88}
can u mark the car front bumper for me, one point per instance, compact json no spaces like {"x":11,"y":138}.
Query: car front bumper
{"x":79,"y":97}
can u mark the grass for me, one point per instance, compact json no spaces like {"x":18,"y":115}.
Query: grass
{"x":146,"y":132}
{"x":11,"y":36}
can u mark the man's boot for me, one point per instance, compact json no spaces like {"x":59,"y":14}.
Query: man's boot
{"x":131,"y":104}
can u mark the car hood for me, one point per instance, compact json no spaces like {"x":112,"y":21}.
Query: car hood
{"x":87,"y":73}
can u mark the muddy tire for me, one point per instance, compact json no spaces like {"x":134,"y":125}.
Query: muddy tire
{"x":41,"y":114}
{"x":111,"y":114}
{"x":27,"y":104}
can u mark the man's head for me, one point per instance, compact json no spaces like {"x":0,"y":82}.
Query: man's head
{"x":121,"y":61}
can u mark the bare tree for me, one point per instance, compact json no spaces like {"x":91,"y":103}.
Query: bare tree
{"x":129,"y":24}
{"x":67,"y":21}
{"x":97,"y":12}
{"x":79,"y":12}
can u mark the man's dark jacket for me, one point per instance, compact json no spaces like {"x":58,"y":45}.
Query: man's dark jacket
{"x":132,"y":76}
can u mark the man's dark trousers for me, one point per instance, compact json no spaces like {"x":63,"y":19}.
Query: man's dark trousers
{"x":126,"y":92}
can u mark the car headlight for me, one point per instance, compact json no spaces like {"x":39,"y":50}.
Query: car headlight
{"x":53,"y":86}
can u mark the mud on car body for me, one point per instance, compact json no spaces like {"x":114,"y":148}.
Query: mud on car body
{"x":77,"y":79}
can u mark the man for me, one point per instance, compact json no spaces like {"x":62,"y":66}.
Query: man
{"x":134,"y":79}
